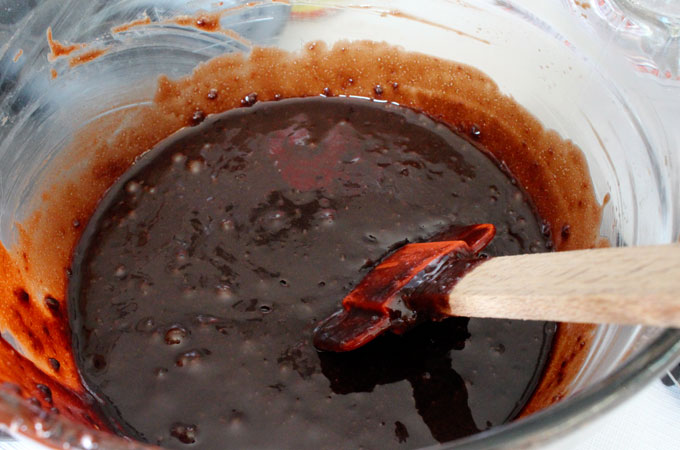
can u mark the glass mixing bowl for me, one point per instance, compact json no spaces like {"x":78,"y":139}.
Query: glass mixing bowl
{"x":556,"y":59}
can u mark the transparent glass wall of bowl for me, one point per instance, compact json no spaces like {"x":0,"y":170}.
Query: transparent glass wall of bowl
{"x":570,"y":77}
{"x":648,"y":32}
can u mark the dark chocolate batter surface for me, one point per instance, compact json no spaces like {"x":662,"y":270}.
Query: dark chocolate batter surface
{"x":198,"y":281}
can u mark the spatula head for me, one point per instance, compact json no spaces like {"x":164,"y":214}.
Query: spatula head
{"x":383,"y":300}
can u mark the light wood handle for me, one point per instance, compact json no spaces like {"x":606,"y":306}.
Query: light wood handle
{"x":625,"y":285}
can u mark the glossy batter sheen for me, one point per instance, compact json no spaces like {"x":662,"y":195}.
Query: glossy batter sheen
{"x":198,"y":281}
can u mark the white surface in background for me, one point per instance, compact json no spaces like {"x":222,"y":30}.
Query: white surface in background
{"x":648,"y":421}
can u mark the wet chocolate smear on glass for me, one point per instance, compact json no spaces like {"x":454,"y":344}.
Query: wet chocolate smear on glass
{"x":199,"y":280}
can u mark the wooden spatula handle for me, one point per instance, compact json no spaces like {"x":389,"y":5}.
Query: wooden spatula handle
{"x":625,"y":285}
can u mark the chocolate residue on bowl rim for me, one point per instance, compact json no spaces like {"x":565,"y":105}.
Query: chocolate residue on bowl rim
{"x":59,"y":49}
{"x":145,"y":20}
{"x":203,"y":20}
{"x":404,"y":15}
{"x":82,"y":56}
{"x":551,"y":169}
{"x":87,"y":56}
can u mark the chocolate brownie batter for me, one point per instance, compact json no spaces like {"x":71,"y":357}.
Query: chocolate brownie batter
{"x":198,"y":281}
